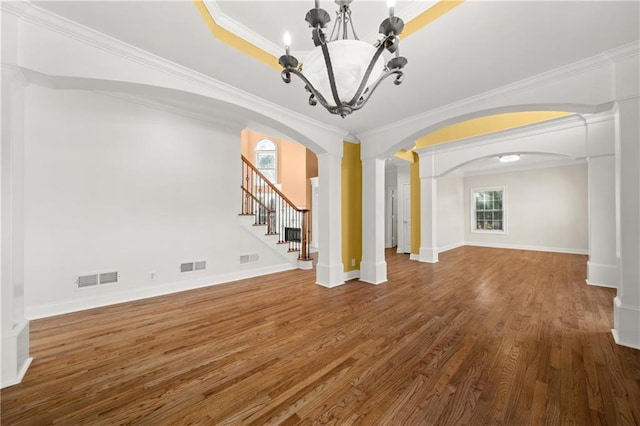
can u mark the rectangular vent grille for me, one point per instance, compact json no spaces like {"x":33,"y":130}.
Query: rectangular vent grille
{"x":83,"y":281}
{"x":249,"y":258}
{"x":87,"y":280}
{"x":198,"y":265}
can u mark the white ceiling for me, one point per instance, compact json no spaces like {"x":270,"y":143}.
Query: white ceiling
{"x":476,"y":47}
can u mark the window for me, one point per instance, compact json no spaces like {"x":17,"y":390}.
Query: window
{"x":266,"y":159}
{"x":488,"y":210}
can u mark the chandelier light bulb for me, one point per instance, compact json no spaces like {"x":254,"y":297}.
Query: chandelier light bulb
{"x":391,"y":4}
{"x":287,"y":41}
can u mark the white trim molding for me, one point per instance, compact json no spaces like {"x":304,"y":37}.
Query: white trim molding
{"x":628,"y":319}
{"x":600,"y":275}
{"x":352,"y":275}
{"x":532,"y":248}
{"x":15,"y":354}
{"x":450,"y":247}
{"x":84,"y":303}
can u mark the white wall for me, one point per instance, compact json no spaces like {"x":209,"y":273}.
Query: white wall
{"x":547,"y":209}
{"x":450,"y":214}
{"x":113,"y":185}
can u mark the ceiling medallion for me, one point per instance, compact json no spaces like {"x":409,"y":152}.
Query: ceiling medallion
{"x":342,"y":73}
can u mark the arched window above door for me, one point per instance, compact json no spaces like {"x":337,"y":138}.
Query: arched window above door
{"x":267,"y":159}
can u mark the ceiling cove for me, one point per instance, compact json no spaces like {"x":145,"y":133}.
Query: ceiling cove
{"x":234,"y":34}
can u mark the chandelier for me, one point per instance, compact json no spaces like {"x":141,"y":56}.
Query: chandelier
{"x":342,"y":73}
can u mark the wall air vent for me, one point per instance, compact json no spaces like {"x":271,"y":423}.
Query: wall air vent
{"x":109,"y":278}
{"x":197,"y":265}
{"x":90,"y":280}
{"x":249,"y":258}
{"x":83,"y":281}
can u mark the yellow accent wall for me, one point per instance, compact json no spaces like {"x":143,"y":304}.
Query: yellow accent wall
{"x":232,"y":40}
{"x":428,"y":16}
{"x":485,"y":125}
{"x":414,"y":179}
{"x":351,"y":206}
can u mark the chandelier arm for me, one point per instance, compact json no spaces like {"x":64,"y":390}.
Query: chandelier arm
{"x":399,"y":74}
{"x":309,"y":86}
{"x":333,"y":30}
{"x":332,"y":80}
{"x":353,"y":30}
{"x":363,"y":83}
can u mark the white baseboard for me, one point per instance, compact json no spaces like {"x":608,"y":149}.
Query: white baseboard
{"x":525,"y":247}
{"x":414,"y":256}
{"x":602,"y":275}
{"x":81,"y":304}
{"x":352,"y":275}
{"x":626,"y":322}
{"x":450,"y":247}
{"x":599,"y":285}
{"x":19,"y":376}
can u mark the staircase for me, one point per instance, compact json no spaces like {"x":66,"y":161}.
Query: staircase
{"x":273,"y":217}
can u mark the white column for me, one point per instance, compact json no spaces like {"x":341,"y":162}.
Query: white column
{"x":602,"y":267}
{"x":428,"y":208}
{"x":14,"y":328}
{"x":626,"y":307}
{"x":330,"y":271}
{"x":373,"y":267}
{"x":315,"y":203}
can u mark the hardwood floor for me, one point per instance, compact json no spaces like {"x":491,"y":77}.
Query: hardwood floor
{"x":486,"y":336}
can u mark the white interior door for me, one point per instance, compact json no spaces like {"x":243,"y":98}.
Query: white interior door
{"x":406,"y":218}
{"x":391,"y":218}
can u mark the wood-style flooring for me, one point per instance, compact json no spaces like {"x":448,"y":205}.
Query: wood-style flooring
{"x":485,"y":336}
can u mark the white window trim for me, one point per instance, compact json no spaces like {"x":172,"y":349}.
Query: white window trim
{"x":275,"y":153}
{"x":472,"y":210}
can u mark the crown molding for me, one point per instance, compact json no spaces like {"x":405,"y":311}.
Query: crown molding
{"x":624,"y":51}
{"x":598,"y":61}
{"x":15,"y":8}
{"x":230,"y":24}
{"x":407,"y":11}
{"x":51,"y":21}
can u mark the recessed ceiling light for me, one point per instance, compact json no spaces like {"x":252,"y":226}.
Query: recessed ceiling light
{"x":509,"y":158}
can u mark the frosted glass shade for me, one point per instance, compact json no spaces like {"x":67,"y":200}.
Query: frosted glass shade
{"x":350,"y":59}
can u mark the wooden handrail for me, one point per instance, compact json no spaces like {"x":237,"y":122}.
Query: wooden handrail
{"x":257,"y":200}
{"x":257,"y":182}
{"x":271,"y":185}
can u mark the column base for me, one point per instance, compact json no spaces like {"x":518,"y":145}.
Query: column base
{"x":602,"y":275}
{"x":373,"y":272}
{"x":626,"y":323}
{"x":15,"y":354}
{"x":428,"y":255}
{"x":330,"y":275}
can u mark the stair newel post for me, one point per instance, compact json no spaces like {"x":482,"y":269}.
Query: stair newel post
{"x":304,"y":231}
